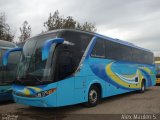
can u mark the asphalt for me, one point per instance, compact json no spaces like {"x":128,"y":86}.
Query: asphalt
{"x":132,"y":105}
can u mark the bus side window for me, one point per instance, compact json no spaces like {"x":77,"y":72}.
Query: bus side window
{"x":99,"y":49}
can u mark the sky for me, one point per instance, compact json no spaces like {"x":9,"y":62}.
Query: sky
{"x":135,"y":21}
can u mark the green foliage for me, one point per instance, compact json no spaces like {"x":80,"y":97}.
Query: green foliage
{"x":25,"y":31}
{"x":56,"y":21}
{"x":5,"y":31}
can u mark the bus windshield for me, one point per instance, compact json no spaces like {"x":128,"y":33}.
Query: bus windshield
{"x":31,"y":67}
{"x":7,"y":73}
{"x":61,"y":62}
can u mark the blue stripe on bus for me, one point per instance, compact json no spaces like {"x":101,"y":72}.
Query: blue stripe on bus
{"x":91,"y":47}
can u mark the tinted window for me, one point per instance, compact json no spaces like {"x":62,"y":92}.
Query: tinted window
{"x":142,"y":56}
{"x":37,"y":62}
{"x":65,"y":64}
{"x":73,"y":53}
{"x":99,"y":49}
{"x":31,"y":63}
{"x":108,"y":49}
{"x":126,"y":53}
{"x":11,"y":68}
{"x":80,"y":40}
{"x":2,"y":51}
{"x":117,"y":51}
{"x":7,"y":73}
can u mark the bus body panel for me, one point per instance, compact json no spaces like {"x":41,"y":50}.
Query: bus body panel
{"x":123,"y":74}
{"x":97,"y":67}
{"x":113,"y":76}
{"x":80,"y":89}
{"x":65,"y":92}
{"x":72,"y":92}
{"x":75,"y":89}
{"x":48,"y":101}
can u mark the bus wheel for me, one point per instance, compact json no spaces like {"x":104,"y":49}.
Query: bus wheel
{"x":143,"y":87}
{"x":93,"y":96}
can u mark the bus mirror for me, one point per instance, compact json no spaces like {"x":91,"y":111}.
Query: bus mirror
{"x":7,"y":53}
{"x":47,"y":45}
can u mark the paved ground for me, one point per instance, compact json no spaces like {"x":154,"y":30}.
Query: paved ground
{"x":130,"y":103}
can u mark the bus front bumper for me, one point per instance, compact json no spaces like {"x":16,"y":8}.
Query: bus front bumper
{"x":158,"y":81}
{"x":49,"y":101}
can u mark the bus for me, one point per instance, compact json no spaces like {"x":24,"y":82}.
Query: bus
{"x":65,"y":67}
{"x":157,"y":63}
{"x":7,"y":73}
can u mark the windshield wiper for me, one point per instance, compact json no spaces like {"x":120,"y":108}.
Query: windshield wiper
{"x":33,"y":76}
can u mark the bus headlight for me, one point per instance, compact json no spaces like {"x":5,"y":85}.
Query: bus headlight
{"x":45,"y":93}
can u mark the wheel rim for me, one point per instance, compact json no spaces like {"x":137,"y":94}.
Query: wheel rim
{"x":93,"y":96}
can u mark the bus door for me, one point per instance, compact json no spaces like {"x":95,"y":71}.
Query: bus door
{"x":63,"y":74}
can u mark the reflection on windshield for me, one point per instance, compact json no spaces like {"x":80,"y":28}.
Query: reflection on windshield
{"x":8,"y":73}
{"x":23,"y":65}
{"x":31,"y":66}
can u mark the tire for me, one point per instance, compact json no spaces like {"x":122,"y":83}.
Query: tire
{"x":143,"y":87}
{"x":93,"y":96}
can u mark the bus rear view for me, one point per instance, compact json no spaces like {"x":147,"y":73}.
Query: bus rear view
{"x":66,"y":67}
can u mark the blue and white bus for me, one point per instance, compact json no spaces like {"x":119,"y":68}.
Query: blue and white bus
{"x":7,"y":73}
{"x":65,"y":67}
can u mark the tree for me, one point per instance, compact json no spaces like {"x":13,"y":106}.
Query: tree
{"x":25,"y":31}
{"x":69,"y":22}
{"x":88,"y":27}
{"x":56,"y":21}
{"x":5,"y":30}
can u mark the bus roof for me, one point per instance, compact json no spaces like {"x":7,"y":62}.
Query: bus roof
{"x":101,"y":36}
{"x":6,"y":44}
{"x":21,"y":44}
